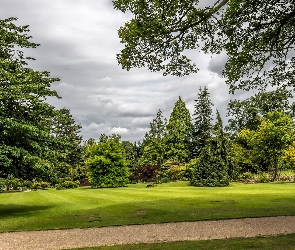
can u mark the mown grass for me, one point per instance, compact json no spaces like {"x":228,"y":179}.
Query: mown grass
{"x":136,"y":204}
{"x":286,"y":242}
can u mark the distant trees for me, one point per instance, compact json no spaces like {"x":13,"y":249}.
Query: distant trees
{"x":247,"y":113}
{"x":267,"y":145}
{"x":154,"y":143}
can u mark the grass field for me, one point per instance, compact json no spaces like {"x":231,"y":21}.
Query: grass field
{"x":136,"y":204}
{"x":285,"y":242}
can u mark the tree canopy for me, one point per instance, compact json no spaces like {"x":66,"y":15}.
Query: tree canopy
{"x":257,"y":36}
{"x":29,"y":143}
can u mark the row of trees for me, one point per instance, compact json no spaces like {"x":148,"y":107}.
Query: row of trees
{"x":38,"y":141}
{"x":258,"y":138}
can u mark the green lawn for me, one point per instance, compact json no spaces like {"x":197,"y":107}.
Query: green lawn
{"x":136,"y":204}
{"x":285,"y":242}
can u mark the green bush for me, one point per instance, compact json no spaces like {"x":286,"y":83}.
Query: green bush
{"x":2,"y":184}
{"x":44,"y":184}
{"x":246,"y":176}
{"x":36,"y":185}
{"x":263,"y":177}
{"x":67,"y":185}
{"x":107,"y":163}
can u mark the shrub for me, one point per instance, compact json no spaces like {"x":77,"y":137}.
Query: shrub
{"x":246,"y":176}
{"x":107,"y":164}
{"x":26,"y":184}
{"x":2,"y":184}
{"x":172,"y":171}
{"x":147,"y":173}
{"x":66,"y":185}
{"x":36,"y":185}
{"x":44,"y":184}
{"x":263,"y":177}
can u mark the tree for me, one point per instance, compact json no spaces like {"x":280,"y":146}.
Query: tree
{"x":257,"y":36}
{"x":202,"y":119}
{"x":107,"y":163}
{"x":26,"y":142}
{"x":67,"y":142}
{"x":270,"y":141}
{"x":154,"y":148}
{"x":179,"y":131}
{"x":211,"y":169}
{"x":131,"y":150}
{"x":247,"y":113}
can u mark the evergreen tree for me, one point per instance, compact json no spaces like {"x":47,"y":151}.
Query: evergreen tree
{"x":154,"y":142}
{"x":179,"y":130}
{"x":202,"y":122}
{"x":211,"y":169}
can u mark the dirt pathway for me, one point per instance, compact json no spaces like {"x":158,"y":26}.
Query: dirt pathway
{"x":200,"y":230}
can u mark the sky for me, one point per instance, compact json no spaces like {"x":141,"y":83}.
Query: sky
{"x":79,"y":43}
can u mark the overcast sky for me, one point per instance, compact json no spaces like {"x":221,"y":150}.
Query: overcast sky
{"x":79,"y":43}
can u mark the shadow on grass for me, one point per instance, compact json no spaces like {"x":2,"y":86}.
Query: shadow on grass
{"x":8,"y":210}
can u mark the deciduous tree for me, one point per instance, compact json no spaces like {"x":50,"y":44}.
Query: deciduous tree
{"x":257,"y":36}
{"x":26,"y":142}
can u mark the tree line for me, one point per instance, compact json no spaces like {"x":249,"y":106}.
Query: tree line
{"x":40,"y":142}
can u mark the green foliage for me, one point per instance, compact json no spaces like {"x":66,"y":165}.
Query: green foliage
{"x":269,"y":142}
{"x":66,"y":142}
{"x":179,"y":133}
{"x":212,"y":168}
{"x":202,"y":122}
{"x":172,"y":171}
{"x":247,"y":113}
{"x":36,"y":185}
{"x":154,"y":143}
{"x":28,"y":146}
{"x":131,"y":154}
{"x":253,"y":34}
{"x":66,"y":185}
{"x":107,"y":164}
{"x":210,"y":171}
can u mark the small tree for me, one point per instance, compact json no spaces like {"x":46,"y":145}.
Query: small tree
{"x":107,"y":164}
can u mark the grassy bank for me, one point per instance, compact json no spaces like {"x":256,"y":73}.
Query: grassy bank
{"x":286,"y":242}
{"x":136,"y":204}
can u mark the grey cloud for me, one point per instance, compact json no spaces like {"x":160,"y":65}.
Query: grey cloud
{"x":79,"y":43}
{"x":217,"y":63}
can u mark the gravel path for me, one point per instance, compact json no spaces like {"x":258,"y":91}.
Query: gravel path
{"x":200,"y":230}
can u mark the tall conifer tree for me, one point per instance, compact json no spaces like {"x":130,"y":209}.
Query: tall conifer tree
{"x":179,"y":131}
{"x":154,"y":141}
{"x":202,"y":122}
